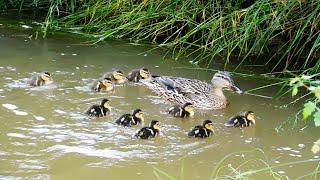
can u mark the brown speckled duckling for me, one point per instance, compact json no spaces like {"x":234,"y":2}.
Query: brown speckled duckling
{"x":137,"y":74}
{"x":149,"y":132}
{"x":102,"y":85}
{"x":116,"y":77}
{"x":182,"y":111}
{"x":41,"y":79}
{"x":202,"y":131}
{"x":99,"y":110}
{"x":242,"y":120}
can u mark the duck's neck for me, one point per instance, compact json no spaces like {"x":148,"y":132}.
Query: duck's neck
{"x":218,"y":92}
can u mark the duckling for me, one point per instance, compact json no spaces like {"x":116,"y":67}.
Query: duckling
{"x":149,"y":132}
{"x":102,"y":85}
{"x":131,"y":119}
{"x":242,"y":120}
{"x":99,"y":110}
{"x":202,"y":131}
{"x":115,"y":76}
{"x":137,"y":74}
{"x":185,"y":111}
{"x":40,"y":79}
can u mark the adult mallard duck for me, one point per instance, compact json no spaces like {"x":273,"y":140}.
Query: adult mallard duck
{"x":241,"y":120}
{"x":201,"y":94}
{"x":40,"y":79}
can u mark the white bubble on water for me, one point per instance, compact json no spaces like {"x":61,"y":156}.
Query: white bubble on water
{"x":39,"y":118}
{"x":17,"y":135}
{"x":60,"y":111}
{"x":10,"y":106}
{"x":20,"y":113}
{"x":281,"y":172}
{"x":287,"y":148}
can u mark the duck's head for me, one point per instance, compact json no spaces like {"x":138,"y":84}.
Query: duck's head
{"x":249,"y":115}
{"x":105,"y":103}
{"x":46,"y":76}
{"x":118,"y":75}
{"x":144,"y":73}
{"x":189,"y":108}
{"x":138,"y":114}
{"x":222,"y":79}
{"x":155,"y":124}
{"x":107,"y":82}
{"x":208,"y":125}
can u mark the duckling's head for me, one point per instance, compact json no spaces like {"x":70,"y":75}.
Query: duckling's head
{"x":249,"y":115}
{"x":208,"y":125}
{"x":105,"y":103}
{"x":222,"y":79}
{"x":46,"y":76}
{"x":138,"y":114}
{"x":118,"y":75}
{"x":144,"y":73}
{"x":107,"y":82}
{"x":189,"y":108}
{"x":155,"y":124}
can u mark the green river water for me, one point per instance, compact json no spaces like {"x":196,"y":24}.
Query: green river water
{"x":44,"y":135}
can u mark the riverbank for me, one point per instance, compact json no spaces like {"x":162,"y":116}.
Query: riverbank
{"x":283,"y":33}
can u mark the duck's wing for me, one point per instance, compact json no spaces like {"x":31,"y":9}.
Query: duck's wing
{"x":123,"y":119}
{"x":195,"y":132}
{"x":184,"y":85}
{"x":175,"y":110}
{"x":235,"y":121}
{"x":143,"y":133}
{"x":93,"y":110}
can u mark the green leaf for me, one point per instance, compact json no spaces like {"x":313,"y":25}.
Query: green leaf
{"x":317,"y":92}
{"x":294,"y":90}
{"x":294,"y":80}
{"x":316,"y":119}
{"x":308,"y":109}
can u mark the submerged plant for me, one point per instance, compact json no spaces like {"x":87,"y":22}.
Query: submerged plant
{"x":252,"y":165}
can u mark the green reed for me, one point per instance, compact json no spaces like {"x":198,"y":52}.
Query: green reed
{"x":284,"y":31}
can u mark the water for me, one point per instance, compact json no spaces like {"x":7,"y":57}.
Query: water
{"x":43,"y":133}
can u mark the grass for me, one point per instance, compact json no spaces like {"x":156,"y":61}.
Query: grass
{"x":286,"y":32}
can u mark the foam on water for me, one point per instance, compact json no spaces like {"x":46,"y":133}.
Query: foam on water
{"x":20,"y":113}
{"x":39,"y":118}
{"x":10,"y":106}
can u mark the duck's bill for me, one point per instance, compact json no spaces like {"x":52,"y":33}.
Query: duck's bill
{"x":236,"y":89}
